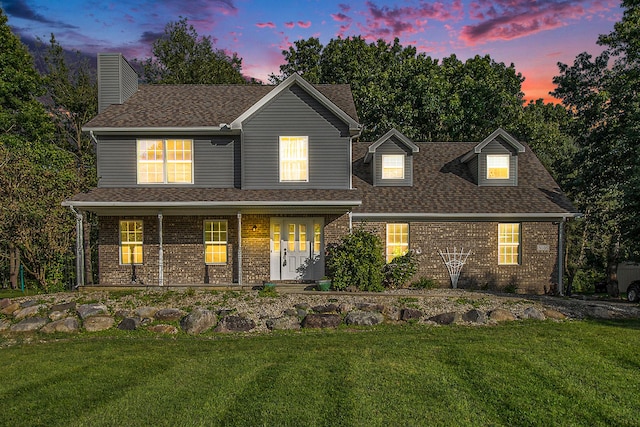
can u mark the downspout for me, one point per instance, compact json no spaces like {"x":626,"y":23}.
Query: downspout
{"x":79,"y":248}
{"x":240,"y":249}
{"x":160,"y":252}
{"x":350,"y":221}
{"x":561,"y":257}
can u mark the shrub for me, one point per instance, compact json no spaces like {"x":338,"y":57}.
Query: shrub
{"x":398,"y":272}
{"x":424,"y":283}
{"x":357,"y":261}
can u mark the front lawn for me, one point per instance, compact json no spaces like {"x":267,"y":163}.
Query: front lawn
{"x":521,"y":373}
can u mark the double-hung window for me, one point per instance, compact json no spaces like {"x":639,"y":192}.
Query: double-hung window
{"x":498,"y":166}
{"x":165,"y":161}
{"x":294,"y":159}
{"x":130,"y":242}
{"x":508,"y":244}
{"x":397,"y":240}
{"x":392,"y":166}
{"x":215,"y":242}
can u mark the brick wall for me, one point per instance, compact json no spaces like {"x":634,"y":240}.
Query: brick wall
{"x":537,"y":272}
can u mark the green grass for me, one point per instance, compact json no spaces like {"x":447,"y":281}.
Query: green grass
{"x":516,"y":374}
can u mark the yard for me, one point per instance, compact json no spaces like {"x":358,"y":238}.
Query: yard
{"x":520,"y":373}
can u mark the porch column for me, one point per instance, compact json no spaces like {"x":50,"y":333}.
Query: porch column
{"x":239,"y":249}
{"x":160,"y":252}
{"x":561,"y":257}
{"x":79,"y":248}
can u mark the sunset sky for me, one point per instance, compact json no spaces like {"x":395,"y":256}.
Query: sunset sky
{"x":534,"y":35}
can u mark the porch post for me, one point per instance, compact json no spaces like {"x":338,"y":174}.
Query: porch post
{"x":561,"y":257}
{"x":160,"y":252}
{"x":79,"y":248}
{"x":239,"y":249}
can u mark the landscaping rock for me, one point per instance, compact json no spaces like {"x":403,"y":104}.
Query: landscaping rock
{"x":328,"y":308}
{"x":66,"y":325}
{"x":145,"y":312}
{"x":321,"y":321}
{"x":235,"y":324}
{"x":28,"y":303}
{"x":29,"y":311}
{"x":29,"y":324}
{"x":302,"y":306}
{"x":283,"y":323}
{"x":87,"y":310}
{"x":198,"y":321}
{"x":410,"y":314}
{"x":4,"y":302}
{"x":98,"y":323}
{"x":64,"y":306}
{"x":533,"y":313}
{"x":4,"y":324}
{"x":475,"y":316}
{"x":122,"y":313}
{"x":10,"y":309}
{"x":446,"y":318}
{"x":364,"y":318}
{"x":365,"y":306}
{"x":554,"y":314}
{"x":57,"y":315}
{"x":290,"y":312}
{"x":346,"y":307}
{"x":129,"y":324}
{"x":392,"y":313}
{"x":164,"y":329}
{"x":501,"y":315}
{"x":168,"y":314}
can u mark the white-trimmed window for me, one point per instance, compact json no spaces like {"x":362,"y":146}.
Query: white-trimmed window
{"x":294,"y":159}
{"x":165,"y":161}
{"x":215,"y":242}
{"x":130,"y":242}
{"x":397,"y":240}
{"x":508,"y":244}
{"x":498,"y":166}
{"x":392,"y":166}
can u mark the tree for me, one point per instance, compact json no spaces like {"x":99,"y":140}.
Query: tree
{"x":35,"y":174}
{"x":181,"y":56}
{"x":602,"y":94}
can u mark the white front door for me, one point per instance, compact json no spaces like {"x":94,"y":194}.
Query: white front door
{"x":296,"y":249}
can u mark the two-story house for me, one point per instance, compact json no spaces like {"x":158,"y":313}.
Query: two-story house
{"x":240,"y":184}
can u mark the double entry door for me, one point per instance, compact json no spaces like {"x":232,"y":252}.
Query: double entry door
{"x":297,"y":248}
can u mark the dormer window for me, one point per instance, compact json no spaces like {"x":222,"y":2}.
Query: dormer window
{"x":392,"y":166}
{"x":498,"y":166}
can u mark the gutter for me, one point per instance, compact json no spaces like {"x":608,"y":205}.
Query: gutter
{"x":432,"y":215}
{"x":257,"y":203}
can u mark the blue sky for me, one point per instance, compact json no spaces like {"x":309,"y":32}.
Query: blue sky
{"x":534,"y":35}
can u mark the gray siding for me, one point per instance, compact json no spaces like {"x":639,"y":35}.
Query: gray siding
{"x":392,"y":147}
{"x":473,"y":168}
{"x":498,"y":146}
{"x":295,"y":113}
{"x":117,"y":81}
{"x":213,"y":162}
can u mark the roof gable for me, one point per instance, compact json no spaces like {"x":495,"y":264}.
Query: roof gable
{"x":498,"y":133}
{"x":393,"y":133}
{"x":295,"y":79}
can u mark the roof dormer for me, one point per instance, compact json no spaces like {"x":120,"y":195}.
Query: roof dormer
{"x":391,"y":159}
{"x":494,"y":161}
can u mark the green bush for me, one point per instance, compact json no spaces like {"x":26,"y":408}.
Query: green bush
{"x":398,"y":272}
{"x":424,"y":283}
{"x":357,"y":262}
{"x":585,"y":280}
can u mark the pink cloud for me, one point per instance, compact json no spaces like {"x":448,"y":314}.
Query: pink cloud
{"x":289,"y":24}
{"x":511,"y":19}
{"x":304,"y":24}
{"x":344,"y":7}
{"x":265,"y":25}
{"x":386,"y":22}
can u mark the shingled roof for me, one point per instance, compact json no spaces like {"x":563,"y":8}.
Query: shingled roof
{"x":443,"y":185}
{"x":154,"y":106}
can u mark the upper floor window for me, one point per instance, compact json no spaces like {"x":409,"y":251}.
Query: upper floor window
{"x":392,"y":166}
{"x":294,"y":159}
{"x":397,"y":240}
{"x":498,"y":166}
{"x":165,"y":161}
{"x":508,"y":244}
{"x":131,"y":242}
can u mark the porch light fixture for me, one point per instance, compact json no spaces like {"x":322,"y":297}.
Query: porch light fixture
{"x":254,"y":228}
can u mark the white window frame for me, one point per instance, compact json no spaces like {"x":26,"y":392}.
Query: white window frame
{"x":509,"y":238}
{"x":394,"y":159}
{"x":391,"y":251}
{"x":500,"y":159}
{"x":213,"y":242}
{"x":301,"y":155}
{"x":136,"y":245}
{"x":165,"y":162}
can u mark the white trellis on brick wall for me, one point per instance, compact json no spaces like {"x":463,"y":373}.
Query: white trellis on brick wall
{"x":454,"y":260}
